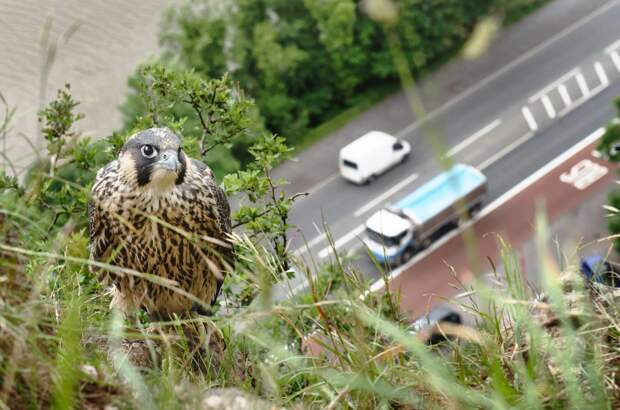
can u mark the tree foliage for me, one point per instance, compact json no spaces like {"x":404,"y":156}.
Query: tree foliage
{"x":610,"y":147}
{"x":303,"y":61}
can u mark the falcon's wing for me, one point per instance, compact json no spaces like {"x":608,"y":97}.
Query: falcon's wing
{"x":223,"y":207}
{"x":102,"y":242}
{"x":223,"y":212}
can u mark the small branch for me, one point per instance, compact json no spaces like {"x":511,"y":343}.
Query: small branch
{"x":204,"y":151}
{"x":148,"y":91}
{"x":52,"y":165}
{"x":269,"y":207}
{"x":283,"y":219}
{"x":205,"y":124}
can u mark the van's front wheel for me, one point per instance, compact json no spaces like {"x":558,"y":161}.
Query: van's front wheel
{"x":370,"y":179}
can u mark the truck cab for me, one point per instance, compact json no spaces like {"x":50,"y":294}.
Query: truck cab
{"x":389,"y":236}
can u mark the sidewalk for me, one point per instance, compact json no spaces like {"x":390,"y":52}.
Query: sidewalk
{"x":316,"y":164}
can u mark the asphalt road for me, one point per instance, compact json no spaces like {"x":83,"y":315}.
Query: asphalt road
{"x":565,"y":182}
{"x":509,"y":125}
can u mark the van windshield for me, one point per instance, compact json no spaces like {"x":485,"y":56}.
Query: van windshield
{"x":384,"y":240}
{"x":349,"y":164}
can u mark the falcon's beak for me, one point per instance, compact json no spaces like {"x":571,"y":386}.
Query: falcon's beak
{"x":168,"y":160}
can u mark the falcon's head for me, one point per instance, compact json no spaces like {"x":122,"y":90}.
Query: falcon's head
{"x":153,"y":159}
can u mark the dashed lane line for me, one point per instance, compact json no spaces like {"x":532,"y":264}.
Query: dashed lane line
{"x":385,"y":195}
{"x":474,"y":137}
{"x":342,"y":241}
{"x":507,"y":149}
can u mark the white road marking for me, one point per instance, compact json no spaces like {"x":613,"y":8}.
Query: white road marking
{"x":342,"y":241}
{"x":514,"y":191}
{"x":523,"y":57}
{"x":596,"y":134}
{"x":546,"y":101}
{"x":502,"y":153}
{"x":531,"y":122}
{"x":549,"y":87}
{"x":583,"y":86}
{"x":584,"y":173}
{"x":324,"y":182}
{"x":565,"y":95}
{"x":602,"y":75}
{"x":591,"y":94}
{"x":315,"y":241}
{"x":615,"y":58}
{"x":385,"y":195}
{"x":474,"y":137}
{"x":612,"y":47}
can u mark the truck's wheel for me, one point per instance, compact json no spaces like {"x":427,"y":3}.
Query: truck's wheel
{"x":407,"y":254}
{"x":370,"y":179}
{"x":426,"y":243}
{"x":474,"y":210}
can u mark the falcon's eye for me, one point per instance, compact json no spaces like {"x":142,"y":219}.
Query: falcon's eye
{"x":148,"y":151}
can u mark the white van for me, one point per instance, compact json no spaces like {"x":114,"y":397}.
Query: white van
{"x":370,"y":155}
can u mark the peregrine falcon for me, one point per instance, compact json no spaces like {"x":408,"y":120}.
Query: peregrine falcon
{"x":156,"y":211}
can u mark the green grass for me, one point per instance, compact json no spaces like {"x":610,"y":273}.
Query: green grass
{"x":61,"y":347}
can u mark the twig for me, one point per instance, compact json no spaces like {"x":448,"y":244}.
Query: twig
{"x":205,"y":124}
{"x":268,"y":209}
{"x":282,"y":237}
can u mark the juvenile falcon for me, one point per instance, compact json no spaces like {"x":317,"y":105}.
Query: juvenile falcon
{"x":156,"y":211}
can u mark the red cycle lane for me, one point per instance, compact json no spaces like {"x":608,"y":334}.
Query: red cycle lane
{"x":561,"y":186}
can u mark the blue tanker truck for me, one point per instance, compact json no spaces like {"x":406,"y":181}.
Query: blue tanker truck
{"x":395,"y":233}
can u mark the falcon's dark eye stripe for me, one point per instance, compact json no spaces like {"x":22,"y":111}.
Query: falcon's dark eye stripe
{"x":148,"y":151}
